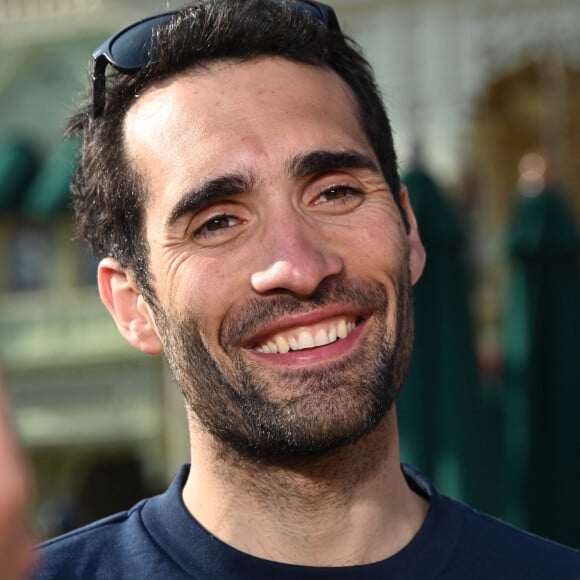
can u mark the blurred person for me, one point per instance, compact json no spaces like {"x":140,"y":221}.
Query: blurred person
{"x":15,"y":535}
{"x":534,"y":174}
{"x":238,"y":182}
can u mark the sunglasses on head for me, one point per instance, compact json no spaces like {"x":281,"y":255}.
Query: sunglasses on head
{"x":129,"y":50}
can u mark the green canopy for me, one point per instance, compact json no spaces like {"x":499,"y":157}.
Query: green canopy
{"x":436,"y":405}
{"x":542,"y":370}
{"x":49,"y":192}
{"x":18,"y":165}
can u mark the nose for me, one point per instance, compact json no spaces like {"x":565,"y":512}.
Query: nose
{"x":297,"y":258}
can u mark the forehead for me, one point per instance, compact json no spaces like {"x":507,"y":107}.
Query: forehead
{"x":234,"y":115}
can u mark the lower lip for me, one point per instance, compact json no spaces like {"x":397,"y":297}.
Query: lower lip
{"x":316,"y":355}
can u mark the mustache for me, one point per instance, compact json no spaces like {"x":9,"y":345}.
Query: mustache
{"x":258,"y":312}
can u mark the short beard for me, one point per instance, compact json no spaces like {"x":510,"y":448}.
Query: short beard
{"x":323,"y":409}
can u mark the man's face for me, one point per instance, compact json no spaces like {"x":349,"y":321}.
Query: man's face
{"x":278,"y":255}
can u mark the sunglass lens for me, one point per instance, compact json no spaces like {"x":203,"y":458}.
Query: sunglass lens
{"x":131,"y":49}
{"x":314,"y":9}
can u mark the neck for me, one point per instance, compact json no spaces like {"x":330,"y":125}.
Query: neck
{"x":350,"y":506}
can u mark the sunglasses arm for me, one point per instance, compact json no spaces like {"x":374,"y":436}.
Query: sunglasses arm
{"x":99,"y":87}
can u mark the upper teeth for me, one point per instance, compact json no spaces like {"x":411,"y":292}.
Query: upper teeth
{"x":307,"y":337}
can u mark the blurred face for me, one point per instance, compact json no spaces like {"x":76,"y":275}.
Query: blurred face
{"x":16,"y":541}
{"x":280,"y":261}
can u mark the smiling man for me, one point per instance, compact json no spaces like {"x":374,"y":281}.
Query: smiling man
{"x":239,"y":183}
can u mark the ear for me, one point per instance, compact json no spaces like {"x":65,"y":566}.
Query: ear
{"x":417,"y":255}
{"x":127,"y":306}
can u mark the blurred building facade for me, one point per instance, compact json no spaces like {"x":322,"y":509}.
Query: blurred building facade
{"x":471,"y":86}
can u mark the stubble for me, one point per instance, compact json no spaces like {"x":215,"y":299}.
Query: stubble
{"x":238,"y":401}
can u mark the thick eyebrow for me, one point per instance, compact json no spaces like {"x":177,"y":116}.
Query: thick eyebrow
{"x":209,"y":192}
{"x":323,"y":161}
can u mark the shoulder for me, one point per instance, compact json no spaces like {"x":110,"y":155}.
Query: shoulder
{"x":88,"y":551}
{"x":124,"y":546}
{"x":466,"y":543}
{"x":498,"y":550}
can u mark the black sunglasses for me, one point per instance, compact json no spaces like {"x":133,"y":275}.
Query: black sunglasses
{"x":129,"y":50}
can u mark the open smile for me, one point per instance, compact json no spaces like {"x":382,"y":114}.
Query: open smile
{"x":312,"y":342}
{"x":307,"y":337}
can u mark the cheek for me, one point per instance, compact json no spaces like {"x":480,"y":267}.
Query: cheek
{"x":206,"y":291}
{"x":377,"y":248}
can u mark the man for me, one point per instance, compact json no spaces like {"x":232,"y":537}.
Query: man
{"x":15,"y":536}
{"x":238,"y":181}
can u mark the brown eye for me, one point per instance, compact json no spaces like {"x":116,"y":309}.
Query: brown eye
{"x":338,"y":194}
{"x":335,"y":193}
{"x":216,"y":224}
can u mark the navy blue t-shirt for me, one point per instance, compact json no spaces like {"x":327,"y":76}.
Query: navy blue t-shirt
{"x":159,"y":539}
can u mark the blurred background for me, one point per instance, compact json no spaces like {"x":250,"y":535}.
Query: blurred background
{"x":484,"y":97}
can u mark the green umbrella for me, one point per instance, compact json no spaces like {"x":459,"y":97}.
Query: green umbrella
{"x":437,"y":403}
{"x":49,"y":192}
{"x":542,"y":370}
{"x":18,"y":165}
